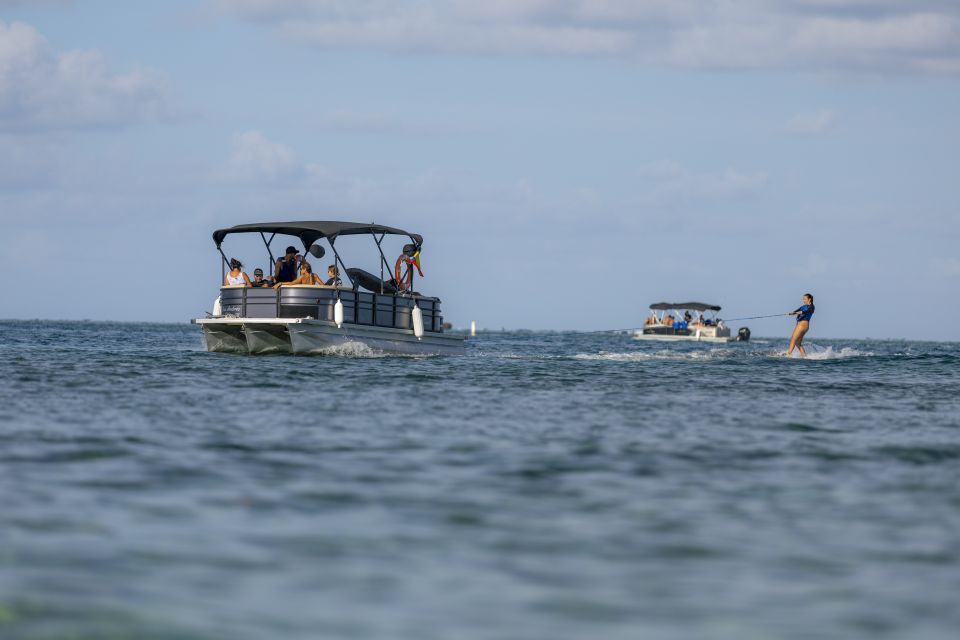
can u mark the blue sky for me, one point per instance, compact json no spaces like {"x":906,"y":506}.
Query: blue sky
{"x":567,"y":162}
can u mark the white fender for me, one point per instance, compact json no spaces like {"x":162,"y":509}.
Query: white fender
{"x":417,"y":321}
{"x":217,"y":311}
{"x":338,"y":313}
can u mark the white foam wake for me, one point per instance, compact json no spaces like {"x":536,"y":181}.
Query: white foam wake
{"x":814,"y":352}
{"x":639,"y":356}
{"x":349,"y":350}
{"x":829,"y":353}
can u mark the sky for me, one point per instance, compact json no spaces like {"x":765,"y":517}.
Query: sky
{"x":568,"y":162}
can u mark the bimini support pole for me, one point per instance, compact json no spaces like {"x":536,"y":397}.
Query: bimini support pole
{"x":383,"y":258}
{"x":337,"y":259}
{"x":273,"y":263}
{"x":223,"y":265}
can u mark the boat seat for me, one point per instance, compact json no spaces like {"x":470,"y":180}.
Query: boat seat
{"x":370,"y":282}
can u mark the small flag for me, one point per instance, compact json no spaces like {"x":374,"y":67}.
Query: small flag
{"x":416,"y":261}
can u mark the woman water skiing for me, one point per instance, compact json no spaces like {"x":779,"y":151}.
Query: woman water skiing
{"x":804,"y":312}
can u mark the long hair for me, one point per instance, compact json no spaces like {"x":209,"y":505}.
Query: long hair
{"x":235,"y":264}
{"x":306,"y":265}
{"x":809,"y":295}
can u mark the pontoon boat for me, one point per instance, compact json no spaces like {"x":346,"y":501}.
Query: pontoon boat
{"x":676,"y":322}
{"x":384,"y":314}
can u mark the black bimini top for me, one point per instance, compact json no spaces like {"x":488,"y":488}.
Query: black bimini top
{"x":692,"y":306}
{"x":312,"y":230}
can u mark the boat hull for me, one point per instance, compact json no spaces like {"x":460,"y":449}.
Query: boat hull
{"x":267,"y":338}
{"x":319,"y":337}
{"x":679,"y":338}
{"x":316,"y":337}
{"x":225,"y":338}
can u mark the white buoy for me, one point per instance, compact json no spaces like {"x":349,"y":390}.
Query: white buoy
{"x":473,"y":328}
{"x":338,"y":313}
{"x":417,"y":316}
{"x":217,"y":310}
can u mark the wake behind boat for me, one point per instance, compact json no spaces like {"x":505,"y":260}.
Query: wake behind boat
{"x":688,"y":321}
{"x":386,"y":315}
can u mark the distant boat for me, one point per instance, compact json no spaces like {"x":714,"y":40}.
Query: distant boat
{"x":688,"y":321}
{"x":385,"y":315}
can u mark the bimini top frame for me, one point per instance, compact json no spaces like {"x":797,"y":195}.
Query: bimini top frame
{"x":683,"y":306}
{"x":309,"y":231}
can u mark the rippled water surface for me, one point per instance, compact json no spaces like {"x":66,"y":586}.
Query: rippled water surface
{"x":542,"y":486}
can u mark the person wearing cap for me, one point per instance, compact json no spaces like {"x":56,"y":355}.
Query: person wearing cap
{"x":258,"y":280}
{"x":286,"y":268}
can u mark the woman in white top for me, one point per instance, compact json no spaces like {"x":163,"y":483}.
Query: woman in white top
{"x":236,"y":277}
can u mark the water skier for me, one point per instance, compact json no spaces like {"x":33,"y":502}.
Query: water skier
{"x":804,"y":312}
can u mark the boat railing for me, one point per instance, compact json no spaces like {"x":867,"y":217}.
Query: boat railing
{"x":317,"y":302}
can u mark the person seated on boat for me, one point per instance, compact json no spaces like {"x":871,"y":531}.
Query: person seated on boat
{"x":333,"y":276}
{"x":687,"y":317}
{"x":258,"y":279}
{"x":668,"y":320}
{"x":236,"y":277}
{"x":286,"y":267}
{"x":651,"y":319}
{"x":307,"y":276}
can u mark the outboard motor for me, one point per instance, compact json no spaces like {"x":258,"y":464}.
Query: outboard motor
{"x":743,"y":335}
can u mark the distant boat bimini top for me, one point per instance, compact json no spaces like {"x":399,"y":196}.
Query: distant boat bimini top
{"x":692,"y":306}
{"x":312,"y":230}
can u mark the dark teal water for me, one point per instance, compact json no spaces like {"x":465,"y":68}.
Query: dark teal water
{"x":543,"y":486}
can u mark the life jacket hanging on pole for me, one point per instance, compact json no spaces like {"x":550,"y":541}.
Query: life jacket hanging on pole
{"x":411,"y":258}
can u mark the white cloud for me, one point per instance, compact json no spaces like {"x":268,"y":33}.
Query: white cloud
{"x":265,"y":175}
{"x":899,"y":35}
{"x":257,"y":159}
{"x":809,"y":124}
{"x":43,"y":89}
{"x":902,"y":35}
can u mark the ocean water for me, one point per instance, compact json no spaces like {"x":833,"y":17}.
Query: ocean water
{"x":544,"y":486}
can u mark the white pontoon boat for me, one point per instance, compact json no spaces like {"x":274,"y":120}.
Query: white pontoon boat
{"x":688,"y":321}
{"x":384,"y":314}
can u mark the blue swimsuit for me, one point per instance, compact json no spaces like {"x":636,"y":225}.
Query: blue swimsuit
{"x":806,"y":312}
